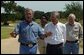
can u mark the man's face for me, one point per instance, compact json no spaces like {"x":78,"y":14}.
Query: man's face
{"x":43,"y":21}
{"x":54,"y":19}
{"x":28,"y":15}
{"x":71,"y":20}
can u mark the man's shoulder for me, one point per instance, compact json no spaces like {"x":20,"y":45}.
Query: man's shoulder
{"x":35,"y":23}
{"x":61,"y":24}
{"x":48,"y":24}
{"x":66,"y":23}
{"x":77,"y":24}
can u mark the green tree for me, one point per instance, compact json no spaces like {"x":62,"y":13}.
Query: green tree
{"x":9,"y":7}
{"x":48,"y":15}
{"x":12,"y":11}
{"x":20,"y":12}
{"x":76,"y":8}
{"x":38,"y":14}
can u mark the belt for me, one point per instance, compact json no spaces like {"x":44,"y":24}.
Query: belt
{"x":28,"y":44}
{"x":72,"y":41}
{"x":57,"y":45}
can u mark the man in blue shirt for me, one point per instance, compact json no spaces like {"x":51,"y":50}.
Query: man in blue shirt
{"x":28,"y":32}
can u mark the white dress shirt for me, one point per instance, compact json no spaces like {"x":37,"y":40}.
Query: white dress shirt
{"x":58,"y":33}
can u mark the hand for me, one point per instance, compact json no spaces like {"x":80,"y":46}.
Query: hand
{"x":48,"y":34}
{"x":13,"y":34}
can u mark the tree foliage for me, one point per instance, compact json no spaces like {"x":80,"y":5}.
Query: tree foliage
{"x":15,"y":12}
{"x":76,"y":8}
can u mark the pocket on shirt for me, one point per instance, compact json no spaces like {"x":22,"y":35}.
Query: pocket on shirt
{"x":24,"y":31}
{"x":76,"y":29}
{"x":35,"y":33}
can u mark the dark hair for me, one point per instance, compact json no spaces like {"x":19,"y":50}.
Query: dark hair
{"x":44,"y":17}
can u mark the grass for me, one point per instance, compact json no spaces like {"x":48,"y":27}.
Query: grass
{"x":5,"y":32}
{"x":81,"y":44}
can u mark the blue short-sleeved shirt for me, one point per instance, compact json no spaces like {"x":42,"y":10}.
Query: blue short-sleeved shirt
{"x":28,"y":32}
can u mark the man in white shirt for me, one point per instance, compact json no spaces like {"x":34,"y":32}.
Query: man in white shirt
{"x":57,"y":35}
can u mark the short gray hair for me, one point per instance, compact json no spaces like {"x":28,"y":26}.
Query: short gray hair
{"x":55,"y":13}
{"x":27,"y":9}
{"x":72,"y":15}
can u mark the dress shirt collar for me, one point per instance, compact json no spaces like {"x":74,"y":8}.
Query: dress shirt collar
{"x":31,"y":23}
{"x":54,"y":25}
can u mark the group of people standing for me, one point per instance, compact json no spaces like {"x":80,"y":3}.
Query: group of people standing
{"x":59,"y":38}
